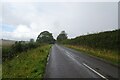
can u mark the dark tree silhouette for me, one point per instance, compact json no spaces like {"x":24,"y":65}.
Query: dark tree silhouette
{"x":45,"y":37}
{"x":62,"y":36}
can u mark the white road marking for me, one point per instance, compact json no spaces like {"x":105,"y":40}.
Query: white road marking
{"x":70,"y":56}
{"x":48,"y":58}
{"x":95,"y":71}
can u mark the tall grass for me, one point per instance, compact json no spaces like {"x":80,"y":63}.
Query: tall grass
{"x":110,"y":56}
{"x":0,"y":71}
{"x":30,"y":64}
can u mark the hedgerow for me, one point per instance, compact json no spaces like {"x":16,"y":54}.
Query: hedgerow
{"x":104,"y":40}
{"x":18,"y":47}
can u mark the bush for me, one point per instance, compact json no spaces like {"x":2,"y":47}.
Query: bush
{"x":16,"y":48}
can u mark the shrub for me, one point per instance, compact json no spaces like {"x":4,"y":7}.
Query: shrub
{"x":16,"y":48}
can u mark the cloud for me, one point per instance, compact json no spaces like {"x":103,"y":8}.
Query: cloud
{"x":22,"y":29}
{"x":22,"y":32}
{"x":59,"y":0}
{"x":29,"y":19}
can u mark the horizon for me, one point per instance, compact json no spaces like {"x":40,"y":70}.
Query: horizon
{"x":68,"y":37}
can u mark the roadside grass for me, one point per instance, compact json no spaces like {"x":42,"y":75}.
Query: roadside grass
{"x":30,"y":64}
{"x":0,"y":71}
{"x":107,"y":55}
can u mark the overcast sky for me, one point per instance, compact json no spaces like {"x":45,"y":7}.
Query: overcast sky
{"x":25,"y":20}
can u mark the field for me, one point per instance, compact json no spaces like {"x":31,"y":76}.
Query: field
{"x":7,"y":42}
{"x":6,"y":45}
{"x":30,"y":64}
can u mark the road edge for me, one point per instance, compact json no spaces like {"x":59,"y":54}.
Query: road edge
{"x":48,"y":58}
{"x":100,"y":59}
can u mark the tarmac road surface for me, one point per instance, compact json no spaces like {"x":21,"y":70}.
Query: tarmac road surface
{"x":68,"y":63}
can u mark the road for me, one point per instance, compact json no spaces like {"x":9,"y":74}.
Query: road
{"x":68,"y":63}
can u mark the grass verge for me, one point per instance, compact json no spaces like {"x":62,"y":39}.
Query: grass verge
{"x":30,"y":64}
{"x":0,"y":71}
{"x":107,"y":55}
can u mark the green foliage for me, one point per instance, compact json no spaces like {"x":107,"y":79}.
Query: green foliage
{"x":5,"y":49}
{"x":62,"y":36}
{"x":30,"y":64}
{"x":20,"y":46}
{"x":45,"y":37}
{"x":103,"y":40}
{"x":0,"y":71}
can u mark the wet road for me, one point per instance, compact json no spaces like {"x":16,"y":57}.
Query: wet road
{"x":67,"y":63}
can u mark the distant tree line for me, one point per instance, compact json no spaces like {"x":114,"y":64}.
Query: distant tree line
{"x":46,"y":37}
{"x":103,"y":40}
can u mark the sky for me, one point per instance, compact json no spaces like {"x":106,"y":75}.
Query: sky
{"x":23,"y":19}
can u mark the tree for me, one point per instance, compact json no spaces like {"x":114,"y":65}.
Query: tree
{"x":31,"y":40}
{"x":62,"y":36}
{"x":45,"y":37}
